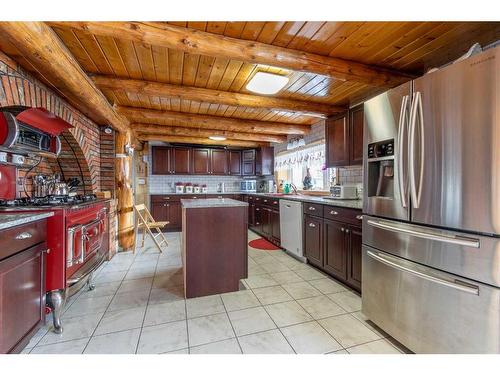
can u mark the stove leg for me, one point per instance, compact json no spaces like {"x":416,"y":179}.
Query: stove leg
{"x":90,"y":284}
{"x":56,"y":301}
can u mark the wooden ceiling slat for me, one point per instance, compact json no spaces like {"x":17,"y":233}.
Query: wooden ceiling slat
{"x":89,"y":42}
{"x":287,"y":33}
{"x":129,"y":58}
{"x":234,"y":29}
{"x":175,"y":66}
{"x":203,"y":73}
{"x":218,"y":70}
{"x":245,"y":71}
{"x":269,"y":32}
{"x":339,"y":36}
{"x":160,"y":60}
{"x":216,"y":27}
{"x":145,"y":57}
{"x":71,"y":41}
{"x":252,"y":30}
{"x":229,"y":75}
{"x":352,"y":46}
{"x":191,"y":63}
{"x":197,"y":25}
{"x":316,"y":44}
{"x":438,"y":43}
{"x":305,"y":34}
{"x":434,"y":31}
{"x":112,"y":55}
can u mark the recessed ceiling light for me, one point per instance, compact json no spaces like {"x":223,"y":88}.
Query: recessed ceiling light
{"x":217,"y":138}
{"x":267,"y":83}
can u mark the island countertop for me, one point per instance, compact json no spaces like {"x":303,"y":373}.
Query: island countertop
{"x":211,"y":202}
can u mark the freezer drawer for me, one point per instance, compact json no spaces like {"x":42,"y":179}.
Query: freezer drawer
{"x":468,"y":255}
{"x":429,"y":311}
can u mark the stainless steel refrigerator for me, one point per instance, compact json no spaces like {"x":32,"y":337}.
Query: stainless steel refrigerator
{"x":431,"y":229}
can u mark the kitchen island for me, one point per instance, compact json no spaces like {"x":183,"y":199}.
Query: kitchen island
{"x":214,"y":245}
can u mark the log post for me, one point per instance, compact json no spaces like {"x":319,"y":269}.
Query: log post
{"x":124,"y":192}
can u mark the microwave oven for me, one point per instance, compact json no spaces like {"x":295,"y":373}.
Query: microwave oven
{"x":248,"y":186}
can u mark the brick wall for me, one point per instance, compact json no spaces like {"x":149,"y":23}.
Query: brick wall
{"x":86,"y":151}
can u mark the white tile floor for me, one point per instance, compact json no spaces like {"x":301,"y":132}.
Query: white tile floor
{"x":138,"y":307}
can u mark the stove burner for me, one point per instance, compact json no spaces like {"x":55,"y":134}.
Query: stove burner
{"x":49,"y":200}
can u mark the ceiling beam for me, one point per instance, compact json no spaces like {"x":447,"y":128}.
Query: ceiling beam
{"x":202,"y":132}
{"x":204,"y":43}
{"x":191,"y":120}
{"x":200,"y":141}
{"x":215,"y":96}
{"x":42,"y":48}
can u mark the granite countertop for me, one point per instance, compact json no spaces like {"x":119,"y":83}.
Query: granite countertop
{"x":212,"y":202}
{"x":348,"y":203}
{"x":11,"y":220}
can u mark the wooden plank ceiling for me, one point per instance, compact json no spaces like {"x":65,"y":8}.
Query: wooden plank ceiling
{"x":408,"y":48}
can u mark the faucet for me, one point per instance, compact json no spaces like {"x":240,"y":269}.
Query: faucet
{"x":294,"y":188}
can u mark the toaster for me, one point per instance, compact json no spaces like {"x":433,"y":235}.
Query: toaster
{"x":344,"y":192}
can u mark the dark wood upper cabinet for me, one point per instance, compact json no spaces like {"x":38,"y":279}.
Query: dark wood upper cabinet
{"x":234,"y":163}
{"x":356,"y":120}
{"x":248,"y":155}
{"x":337,"y":140}
{"x":201,"y":161}
{"x":161,"y":160}
{"x":344,"y":138}
{"x":218,"y":162}
{"x":181,"y":160}
{"x":266,"y":162}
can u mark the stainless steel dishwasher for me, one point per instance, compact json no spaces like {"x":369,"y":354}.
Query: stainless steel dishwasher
{"x":291,"y":225}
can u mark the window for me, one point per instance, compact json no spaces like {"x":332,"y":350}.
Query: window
{"x":292,"y":167}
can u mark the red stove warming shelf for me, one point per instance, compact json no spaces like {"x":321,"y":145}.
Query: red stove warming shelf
{"x":78,"y":239}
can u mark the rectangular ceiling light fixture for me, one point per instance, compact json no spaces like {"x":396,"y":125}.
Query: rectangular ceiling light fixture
{"x":267,"y":83}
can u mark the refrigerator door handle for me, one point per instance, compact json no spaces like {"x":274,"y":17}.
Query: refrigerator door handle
{"x":411,"y":150}
{"x":422,"y":147}
{"x":416,"y":111}
{"x":402,"y":179}
{"x":397,"y":264}
{"x":425,"y":234}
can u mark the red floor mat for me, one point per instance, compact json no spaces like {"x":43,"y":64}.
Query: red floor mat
{"x":262,"y":244}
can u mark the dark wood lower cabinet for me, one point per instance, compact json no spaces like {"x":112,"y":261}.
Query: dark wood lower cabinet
{"x":354,"y":250}
{"x":335,"y":246}
{"x":22,"y":288}
{"x":313,"y":241}
{"x":275,"y":225}
{"x":335,"y":259}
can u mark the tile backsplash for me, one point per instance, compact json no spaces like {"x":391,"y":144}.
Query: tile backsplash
{"x":166,"y":184}
{"x":351,"y":175}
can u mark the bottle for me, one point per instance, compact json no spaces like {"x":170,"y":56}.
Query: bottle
{"x":287,"y":189}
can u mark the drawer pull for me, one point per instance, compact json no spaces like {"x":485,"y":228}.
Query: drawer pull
{"x":257,"y":209}
{"x":265,"y":200}
{"x":275,"y":202}
{"x":333,"y":212}
{"x":342,"y":229}
{"x":419,"y":272}
{"x":359,"y":217}
{"x":24,"y":236}
{"x":166,"y":198}
{"x":312,"y":208}
{"x":312,"y":225}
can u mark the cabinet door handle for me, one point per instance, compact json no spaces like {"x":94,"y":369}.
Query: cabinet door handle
{"x":312,"y":225}
{"x":347,"y":230}
{"x":265,"y":200}
{"x":359,"y":217}
{"x":167,"y":198}
{"x":342,"y":229}
{"x":257,"y":209}
{"x":23,"y":236}
{"x":333,"y":212}
{"x":312,"y":208}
